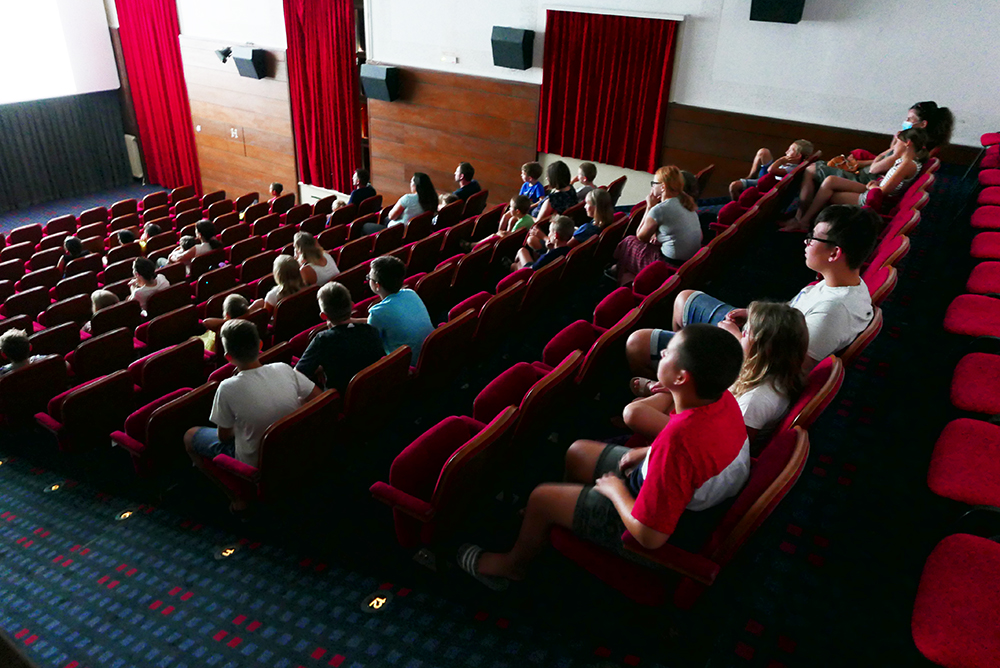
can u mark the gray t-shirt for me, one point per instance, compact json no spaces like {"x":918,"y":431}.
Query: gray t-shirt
{"x":411,"y":207}
{"x":678,"y":231}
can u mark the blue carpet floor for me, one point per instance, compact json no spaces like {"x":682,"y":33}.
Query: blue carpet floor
{"x":42,"y":213}
{"x":829,"y":580}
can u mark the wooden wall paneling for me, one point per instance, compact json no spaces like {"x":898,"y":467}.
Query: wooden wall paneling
{"x":442,"y":119}
{"x":263,"y":147}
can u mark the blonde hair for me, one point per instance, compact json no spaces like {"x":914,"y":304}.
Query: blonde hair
{"x":804,"y":147}
{"x":305,"y":244}
{"x":102,"y":299}
{"x":604,"y":209}
{"x":777,"y":351}
{"x":287,"y":276}
{"x":673,"y":186}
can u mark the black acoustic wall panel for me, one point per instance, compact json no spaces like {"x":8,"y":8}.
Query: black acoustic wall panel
{"x":250,"y":62}
{"x":777,"y":11}
{"x":380,"y":82}
{"x":513,"y":47}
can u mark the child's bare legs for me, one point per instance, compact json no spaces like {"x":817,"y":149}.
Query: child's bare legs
{"x":735,"y":188}
{"x":762,"y":158}
{"x":237,"y":500}
{"x":808,"y":189}
{"x":647,"y":417}
{"x":638,"y":355}
{"x":832,"y":186}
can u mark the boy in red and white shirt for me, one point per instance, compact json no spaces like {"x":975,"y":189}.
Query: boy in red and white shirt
{"x":701,"y":458}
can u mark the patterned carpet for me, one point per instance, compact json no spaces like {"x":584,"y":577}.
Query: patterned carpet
{"x":829,"y":580}
{"x":42,"y":213}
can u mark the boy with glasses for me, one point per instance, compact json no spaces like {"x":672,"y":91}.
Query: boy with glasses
{"x":401,"y":317}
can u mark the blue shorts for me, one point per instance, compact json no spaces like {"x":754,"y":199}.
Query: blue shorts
{"x":207,"y":444}
{"x":699,"y":309}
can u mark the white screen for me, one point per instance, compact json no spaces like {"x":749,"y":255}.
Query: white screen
{"x":53,"y":48}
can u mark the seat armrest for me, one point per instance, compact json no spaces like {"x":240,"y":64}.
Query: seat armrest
{"x":127,"y":442}
{"x":48,"y":422}
{"x":236,"y":467}
{"x":400,"y":500}
{"x":688,"y":564}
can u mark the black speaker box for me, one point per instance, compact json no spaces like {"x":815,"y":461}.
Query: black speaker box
{"x":513,"y":47}
{"x":777,"y":11}
{"x":380,"y":82}
{"x":250,"y":62}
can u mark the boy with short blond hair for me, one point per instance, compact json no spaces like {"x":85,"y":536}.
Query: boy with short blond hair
{"x":764,"y":163}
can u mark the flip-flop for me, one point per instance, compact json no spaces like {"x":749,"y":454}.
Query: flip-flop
{"x":640,"y":387}
{"x":468,"y":559}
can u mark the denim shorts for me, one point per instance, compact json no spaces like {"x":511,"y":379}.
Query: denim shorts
{"x":700,"y":308}
{"x":207,"y":444}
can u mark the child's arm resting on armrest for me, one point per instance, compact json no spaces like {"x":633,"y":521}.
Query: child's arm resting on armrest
{"x":614,"y":488}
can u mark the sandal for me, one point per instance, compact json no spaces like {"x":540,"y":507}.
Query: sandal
{"x":641,"y":387}
{"x":468,"y":560}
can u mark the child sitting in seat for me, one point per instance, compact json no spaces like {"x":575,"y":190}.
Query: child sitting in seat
{"x":561,"y":230}
{"x":149,"y":230}
{"x":532,"y":188}
{"x":288,"y":278}
{"x":74,"y":249}
{"x":515,"y":218}
{"x":16,"y":350}
{"x":234,"y":306}
{"x":601,"y":212}
{"x":764,"y":163}
{"x":585,"y":175}
{"x":700,"y":459}
{"x":145,"y":282}
{"x":99,"y":299}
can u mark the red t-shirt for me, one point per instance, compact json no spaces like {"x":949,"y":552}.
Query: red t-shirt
{"x":698,"y":446}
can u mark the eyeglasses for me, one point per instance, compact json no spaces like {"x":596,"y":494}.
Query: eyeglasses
{"x":371,"y":278}
{"x":655,"y":183}
{"x":810,"y":238}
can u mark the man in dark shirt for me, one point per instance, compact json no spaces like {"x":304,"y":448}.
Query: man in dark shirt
{"x":345,"y":348}
{"x":362,"y":186}
{"x":466,"y":184}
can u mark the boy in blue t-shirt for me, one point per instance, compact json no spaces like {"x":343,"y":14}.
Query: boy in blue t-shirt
{"x":401,"y":317}
{"x":532,"y":189}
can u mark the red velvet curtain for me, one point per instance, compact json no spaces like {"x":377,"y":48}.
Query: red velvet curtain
{"x":605,"y":88}
{"x":324,"y":90}
{"x":149,"y":32}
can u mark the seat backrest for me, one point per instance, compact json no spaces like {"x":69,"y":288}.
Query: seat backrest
{"x":215,"y":281}
{"x":475,"y":203}
{"x":441,"y":354}
{"x":862,"y":340}
{"x":37,"y":278}
{"x":241,"y":249}
{"x":538,"y":290}
{"x":455,"y":234}
{"x":220,"y":208}
{"x":607,"y":349}
{"x":577,"y":214}
{"x":434,"y":288}
{"x":265,"y":224}
{"x":283,"y":204}
{"x":821,"y":387}
{"x":211,"y":198}
{"x":314,"y":224}
{"x":102,"y":354}
{"x":90,"y":412}
{"x":365,"y":395}
{"x":367,"y":206}
{"x":124,"y":207}
{"x":332,"y":237}
{"x":616,"y":187}
{"x":450,"y":214}
{"x":98,"y":229}
{"x":127,"y":314}
{"x":60,"y":224}
{"x":20,"y":251}
{"x":608,"y":240}
{"x":651,"y":277}
{"x":116,"y":271}
{"x":257,"y":266}
{"x":155,"y":214}
{"x":7,"y":288}
{"x":55,"y":340}
{"x":11,"y":270}
{"x":388,"y":240}
{"x":205,"y":262}
{"x":488,"y":222}
{"x":74,"y":309}
{"x":281,"y":352}
{"x":498,"y":315}
{"x":50,"y":242}
{"x":25,"y":233}
{"x":90,"y":262}
{"x":124,"y":222}
{"x":98,"y":214}
{"x":181,"y":193}
{"x":255,"y":212}
{"x":350,"y":212}
{"x":168,"y":299}
{"x":295,"y":313}
{"x":691,"y":271}
{"x":891,"y":251}
{"x":881,"y":281}
{"x":355,"y":280}
{"x":580,"y":263}
{"x":127,"y":252}
{"x":419,"y":227}
{"x":324,"y":205}
{"x":187,"y":204}
{"x":81,"y":284}
{"x":161,"y":198}
{"x":26,"y":391}
{"x":166,"y":425}
{"x":471,"y":271}
{"x":703,"y":178}
{"x":177,"y":366}
{"x":508,"y":246}
{"x":354,"y":253}
{"x":225,"y":221}
{"x":243,"y":201}
{"x":281,"y":237}
{"x":16,"y":322}
{"x":298,"y":213}
{"x":173,"y":327}
{"x":424,"y":254}
{"x":29,"y":302}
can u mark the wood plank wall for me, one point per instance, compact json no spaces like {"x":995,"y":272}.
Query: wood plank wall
{"x":262,"y":149}
{"x":442,"y":119}
{"x":697,"y":137}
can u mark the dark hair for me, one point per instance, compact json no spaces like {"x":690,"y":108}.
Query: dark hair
{"x":363,"y":175}
{"x":277,"y":187}
{"x":853,"y":229}
{"x":557,"y":174}
{"x":919,"y":138}
{"x":335,"y":301}
{"x":522,"y":203}
{"x":145,"y":268}
{"x":690,"y":183}
{"x":151,"y":229}
{"x":532,"y":169}
{"x":389,"y":272}
{"x":73,"y":246}
{"x":467,"y":170}
{"x":206,"y":230}
{"x":241,"y":340}
{"x":712,"y":356}
{"x":14,"y":345}
{"x":426,"y":194}
{"x":187,"y":242}
{"x":589,"y":170}
{"x":940,"y":122}
{"x":125,"y":237}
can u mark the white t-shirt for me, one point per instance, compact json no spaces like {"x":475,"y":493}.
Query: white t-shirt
{"x":325,"y":274}
{"x":834,"y":316}
{"x":678,"y":231}
{"x":411,"y":207}
{"x":763,"y":406}
{"x":253,"y":400}
{"x":142,"y":294}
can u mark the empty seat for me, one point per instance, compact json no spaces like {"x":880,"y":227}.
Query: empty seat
{"x":61,"y":224}
{"x":81,"y":284}
{"x":90,"y":262}
{"x":98,"y":214}
{"x":164,"y":371}
{"x":169,"y":328}
{"x":29,"y":302}
{"x":27,"y":391}
{"x":55,"y":340}
{"x":25,"y":233}
{"x":965,"y":464}
{"x":168,"y":299}
{"x":102,"y":354}
{"x":83,"y":417}
{"x":74,"y":309}
{"x":126,"y":314}
{"x":444,"y":352}
{"x":283,"y":203}
{"x":152,"y":200}
{"x":46,"y":258}
{"x":39,"y":278}
{"x":281,"y":237}
{"x":124,"y":208}
{"x":295,"y":313}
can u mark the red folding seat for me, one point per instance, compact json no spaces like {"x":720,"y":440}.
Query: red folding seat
{"x":889,"y":252}
{"x":169,"y":329}
{"x":55,"y":340}
{"x":989,"y":177}
{"x":576,"y":214}
{"x":603,"y":349}
{"x":283,"y":203}
{"x":281,"y":352}
{"x":39,"y":278}
{"x":364,"y":399}
{"x":281,"y":237}
{"x":225,"y":221}
{"x":986,"y":246}
{"x":242,"y":202}
{"x":956,"y":613}
{"x":434,"y":481}
{"x":608,"y":240}
{"x":238,"y":233}
{"x":168,"y":299}
{"x":508,"y":246}
{"x":332,"y":237}
{"x":443,"y":353}
{"x":984,"y":279}
{"x":972,"y":315}
{"x":81,"y":284}
{"x":129,"y":251}
{"x":456,"y":234}
{"x":864,"y":339}
{"x":580,"y":266}
{"x":388,"y":240}
{"x":324,"y":206}
{"x":652,"y":581}
{"x":295,"y":313}
{"x":355,"y":280}
{"x":206,"y":262}
{"x":153,"y":200}
{"x":212,"y":307}
{"x":298,"y":213}
{"x":156,"y":214}
{"x":20,"y":235}
{"x":424,"y":254}
{"x":616,"y":305}
{"x":92,"y":262}
{"x":190,"y":217}
{"x":94,"y":230}
{"x":125,"y":314}
{"x":965,"y":464}
{"x":181,"y":365}
{"x":881,"y":282}
{"x":487,"y":222}
{"x":419,"y":227}
{"x":370,"y":205}
{"x":497,"y":317}
{"x":60,"y":225}
{"x":182,"y":193}
{"x":313,"y":224}
{"x":124,"y":208}
{"x":616,"y":187}
{"x":355,"y":230}
{"x":27,"y":391}
{"x":434,"y":288}
{"x":219,"y":208}
{"x":7,"y":288}
{"x":116,"y":271}
{"x":449,"y":215}
{"x":12,"y":270}
{"x":20,"y":251}
{"x":266,"y":224}
{"x":690,"y":273}
{"x":215,"y":281}
{"x":475,"y":204}
{"x":211,"y":198}
{"x":98,"y":214}
{"x":989,"y":196}
{"x":74,"y":309}
{"x":471,"y":272}
{"x":16,"y":322}
{"x":346,"y":215}
{"x":292,"y":459}
{"x":154,"y":434}
{"x":101,"y":354}
{"x":974,"y":385}
{"x":83,"y":417}
{"x":128,"y":221}
{"x":821,"y":388}
{"x":28,"y":302}
{"x":354,"y":253}
{"x":45,"y":258}
{"x":254,"y":212}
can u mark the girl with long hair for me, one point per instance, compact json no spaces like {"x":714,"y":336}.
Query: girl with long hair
{"x":600,"y":210}
{"x":288,"y":279}
{"x":317,"y":266}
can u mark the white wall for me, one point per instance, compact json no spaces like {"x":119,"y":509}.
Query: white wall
{"x":261,"y":22}
{"x":856,"y":65}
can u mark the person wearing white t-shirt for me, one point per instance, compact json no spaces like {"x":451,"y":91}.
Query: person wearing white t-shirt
{"x":246,"y":405}
{"x":145,"y":282}
{"x":837,"y":308}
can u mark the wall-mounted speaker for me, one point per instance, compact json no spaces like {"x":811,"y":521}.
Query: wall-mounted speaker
{"x":380,"y":82}
{"x":250,"y":62}
{"x":513,"y":47}
{"x":777,"y":11}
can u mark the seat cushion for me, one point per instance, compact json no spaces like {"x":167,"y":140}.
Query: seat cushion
{"x":990,"y":161}
{"x":984,"y":279}
{"x":986,"y":246}
{"x":986,"y":217}
{"x":990,"y":138}
{"x":975,"y":385}
{"x":956,"y":614}
{"x":973,"y":315}
{"x":989,"y":177}
{"x":990,"y":196}
{"x":965,"y":465}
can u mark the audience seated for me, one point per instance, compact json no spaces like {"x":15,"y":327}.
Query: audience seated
{"x":206,"y":235}
{"x":400,"y":318}
{"x":421,"y":198}
{"x":700,"y":459}
{"x":246,"y":405}
{"x":669,"y":231}
{"x":317,"y":266}
{"x":74,"y":249}
{"x":561,"y":193}
{"x":557,"y":244}
{"x":344,"y":348}
{"x":100,"y":299}
{"x":836,"y":309}
{"x":149,"y":230}
{"x":764,"y":163}
{"x":585,"y":175}
{"x":600,"y":210}
{"x":234,"y":306}
{"x":515,"y":218}
{"x":275,"y":192}
{"x":530,"y":186}
{"x":145,"y":281}
{"x":289,"y":281}
{"x":361,"y":180}
{"x":467,"y":185}
{"x":15,"y":350}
